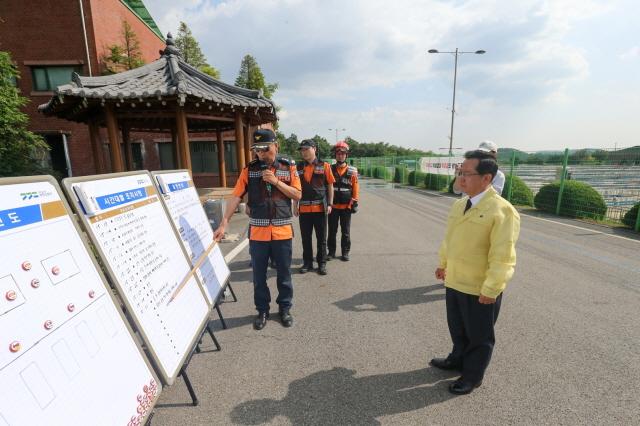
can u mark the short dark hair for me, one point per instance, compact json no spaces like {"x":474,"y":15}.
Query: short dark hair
{"x":487,"y":163}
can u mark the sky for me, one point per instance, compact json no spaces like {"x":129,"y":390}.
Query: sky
{"x":556,"y":74}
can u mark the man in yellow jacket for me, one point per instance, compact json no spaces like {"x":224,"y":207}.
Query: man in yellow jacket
{"x":477,"y":258}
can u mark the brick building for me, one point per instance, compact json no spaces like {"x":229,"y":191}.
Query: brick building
{"x":51,"y":41}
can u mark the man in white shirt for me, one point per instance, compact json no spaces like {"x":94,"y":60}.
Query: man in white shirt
{"x":498,"y":180}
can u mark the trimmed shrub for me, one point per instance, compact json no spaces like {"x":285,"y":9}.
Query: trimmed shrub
{"x":579,"y":200}
{"x":435,"y":182}
{"x":401,"y":175}
{"x":416,"y":178}
{"x":381,"y":172}
{"x":369,"y":171}
{"x":631,"y":216}
{"x":521,"y":195}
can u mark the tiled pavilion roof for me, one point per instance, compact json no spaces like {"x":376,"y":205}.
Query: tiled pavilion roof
{"x":152,"y":86}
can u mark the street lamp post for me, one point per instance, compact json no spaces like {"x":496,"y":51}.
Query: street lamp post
{"x":338,"y":130}
{"x":455,"y":78}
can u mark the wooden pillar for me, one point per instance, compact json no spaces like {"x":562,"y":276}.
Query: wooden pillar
{"x":247,"y":143}
{"x":174,"y":148}
{"x":96,"y":147}
{"x":128,"y":154}
{"x":183,"y":139}
{"x":239,"y":141}
{"x":222,"y":169}
{"x":114,"y":143}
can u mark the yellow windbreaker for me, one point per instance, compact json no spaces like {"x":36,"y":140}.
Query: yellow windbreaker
{"x":479,"y":248}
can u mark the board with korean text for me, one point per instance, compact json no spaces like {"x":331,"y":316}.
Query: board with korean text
{"x":67,"y":355}
{"x":130,"y":228}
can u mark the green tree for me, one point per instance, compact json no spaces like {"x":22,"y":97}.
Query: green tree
{"x":19,"y":148}
{"x":250,"y":77}
{"x":125,"y":56}
{"x":213,"y":72}
{"x":323,"y":147}
{"x":288,"y":146}
{"x":191,"y":53}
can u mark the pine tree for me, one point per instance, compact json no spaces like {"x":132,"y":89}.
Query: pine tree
{"x":191,"y":53}
{"x":189,"y":47}
{"x":125,"y":56}
{"x":18,"y":146}
{"x":250,"y":77}
{"x":131,"y":47}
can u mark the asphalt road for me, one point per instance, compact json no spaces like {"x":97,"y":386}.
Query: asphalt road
{"x":568,"y":336}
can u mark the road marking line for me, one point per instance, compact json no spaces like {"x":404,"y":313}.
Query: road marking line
{"x":233,"y":253}
{"x":418,"y":191}
{"x":580,"y":227}
{"x":542,"y":219}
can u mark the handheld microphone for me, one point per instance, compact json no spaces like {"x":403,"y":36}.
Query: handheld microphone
{"x":264,"y":166}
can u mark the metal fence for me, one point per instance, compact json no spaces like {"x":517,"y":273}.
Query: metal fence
{"x":602,"y":185}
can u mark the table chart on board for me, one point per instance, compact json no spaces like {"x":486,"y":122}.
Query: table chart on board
{"x":129,"y":225}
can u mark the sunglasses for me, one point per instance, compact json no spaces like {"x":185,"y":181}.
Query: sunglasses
{"x":261,"y":149}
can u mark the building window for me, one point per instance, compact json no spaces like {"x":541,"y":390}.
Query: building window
{"x":55,"y":158}
{"x":165,"y":152}
{"x":230,"y":158}
{"x":46,"y":79}
{"x":137,"y":156}
{"x":204,"y":157}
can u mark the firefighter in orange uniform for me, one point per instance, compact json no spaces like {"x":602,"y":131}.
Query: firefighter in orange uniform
{"x":345,"y":199}
{"x":314,"y":206}
{"x":270,"y":182}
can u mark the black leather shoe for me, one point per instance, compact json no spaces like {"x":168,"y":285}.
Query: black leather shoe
{"x":463,"y":387}
{"x":331,"y":256}
{"x":286,"y":318}
{"x":445,"y":364}
{"x":345,"y":257}
{"x":261,"y":320}
{"x":322,"y":270}
{"x":306,"y":268}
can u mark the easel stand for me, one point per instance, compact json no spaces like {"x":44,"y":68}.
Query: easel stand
{"x":235,"y":299}
{"x":213,"y":337}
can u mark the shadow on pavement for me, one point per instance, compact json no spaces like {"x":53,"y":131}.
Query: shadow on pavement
{"x":336,"y":396}
{"x":236,"y":322}
{"x":390,"y":301}
{"x":241,"y":270}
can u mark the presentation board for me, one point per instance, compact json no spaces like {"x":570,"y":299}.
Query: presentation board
{"x":130,"y":228}
{"x":192,"y":224}
{"x":67,"y":355}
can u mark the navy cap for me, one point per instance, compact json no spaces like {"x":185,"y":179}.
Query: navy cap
{"x":307,"y":143}
{"x":262,"y":138}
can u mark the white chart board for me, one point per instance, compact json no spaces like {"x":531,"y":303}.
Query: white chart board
{"x":67,"y":355}
{"x":128,"y":224}
{"x":196,"y":235}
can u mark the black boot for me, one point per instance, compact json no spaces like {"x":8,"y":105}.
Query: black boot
{"x":261,"y":320}
{"x":286,"y":318}
{"x":331,"y":256}
{"x":345,"y":257}
{"x":322,"y":269}
{"x":306,"y":268}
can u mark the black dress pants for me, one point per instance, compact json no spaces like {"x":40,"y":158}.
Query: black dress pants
{"x":471,"y":328}
{"x":308,"y":223}
{"x":343,"y":218}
